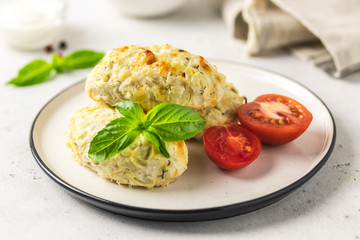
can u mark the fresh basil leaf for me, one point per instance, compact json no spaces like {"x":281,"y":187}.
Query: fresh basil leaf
{"x":82,"y":59}
{"x":114,"y":138}
{"x":57,"y":63}
{"x":130,"y":110}
{"x":155,"y":139}
{"x":174,"y":122}
{"x":165,"y":122}
{"x":35,"y":72}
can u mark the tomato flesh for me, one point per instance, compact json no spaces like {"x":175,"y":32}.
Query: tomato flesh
{"x":231,"y":146}
{"x":276,"y":119}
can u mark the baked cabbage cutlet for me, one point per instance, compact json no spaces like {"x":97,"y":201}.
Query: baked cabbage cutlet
{"x":225,"y":112}
{"x":162,"y":73}
{"x":141,"y":164}
{"x":153,"y":75}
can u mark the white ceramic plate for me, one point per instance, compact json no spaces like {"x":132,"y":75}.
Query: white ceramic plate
{"x":204,"y":191}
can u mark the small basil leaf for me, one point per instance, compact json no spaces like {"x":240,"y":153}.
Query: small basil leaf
{"x":114,"y":138}
{"x":155,"y":139}
{"x":57,"y":63}
{"x":174,"y":122}
{"x":35,"y":72}
{"x":130,"y":110}
{"x":82,"y":59}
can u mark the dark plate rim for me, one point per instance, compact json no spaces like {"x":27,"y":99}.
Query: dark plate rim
{"x":202,"y":214}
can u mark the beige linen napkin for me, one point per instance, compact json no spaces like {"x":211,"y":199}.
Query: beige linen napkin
{"x":324,"y":32}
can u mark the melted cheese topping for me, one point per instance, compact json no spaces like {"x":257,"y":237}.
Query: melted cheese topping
{"x":155,"y":74}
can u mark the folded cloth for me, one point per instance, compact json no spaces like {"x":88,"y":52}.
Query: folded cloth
{"x":323,"y":32}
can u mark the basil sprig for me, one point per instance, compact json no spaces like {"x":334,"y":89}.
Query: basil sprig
{"x":39,"y":71}
{"x":165,"y":122}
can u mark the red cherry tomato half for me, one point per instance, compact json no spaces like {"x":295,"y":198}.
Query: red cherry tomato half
{"x":231,"y":146}
{"x":276,"y":119}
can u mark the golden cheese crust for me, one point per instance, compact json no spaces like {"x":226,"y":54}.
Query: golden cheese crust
{"x":141,"y":164}
{"x":153,"y":75}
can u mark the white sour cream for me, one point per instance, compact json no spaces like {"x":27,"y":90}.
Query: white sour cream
{"x":32,"y":24}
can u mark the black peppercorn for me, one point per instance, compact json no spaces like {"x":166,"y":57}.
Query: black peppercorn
{"x":62,"y":45}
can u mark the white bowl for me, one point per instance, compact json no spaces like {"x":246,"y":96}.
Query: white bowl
{"x":147,"y":8}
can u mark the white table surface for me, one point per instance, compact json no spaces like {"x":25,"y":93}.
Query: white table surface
{"x":35,"y":207}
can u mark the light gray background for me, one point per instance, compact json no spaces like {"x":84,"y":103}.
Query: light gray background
{"x":34,"y":207}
